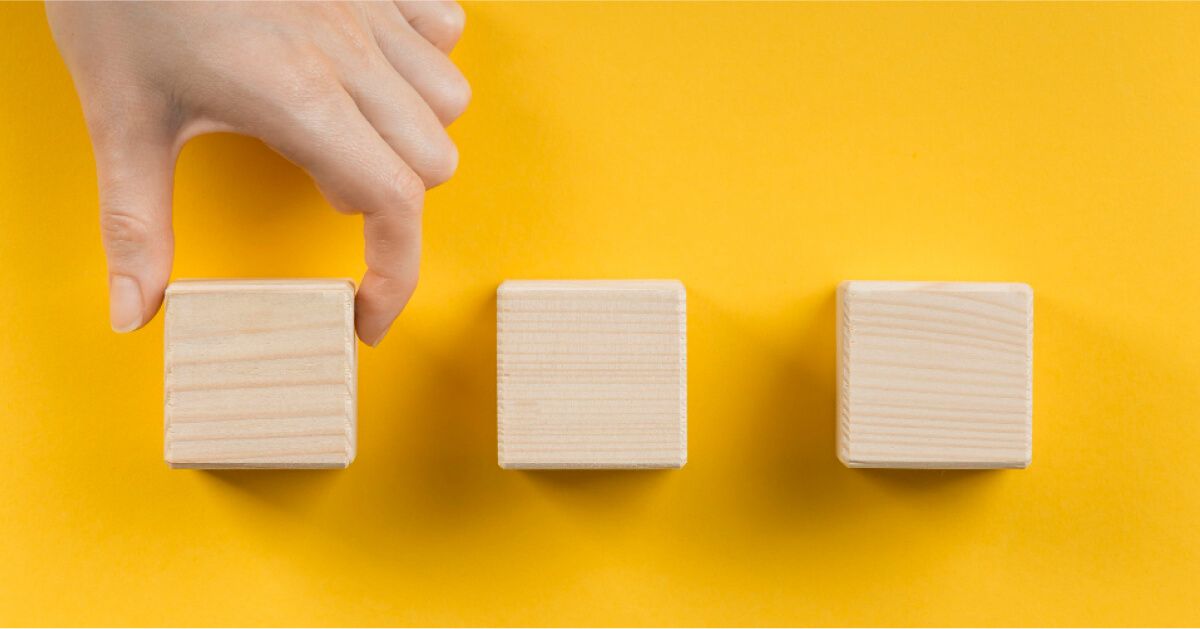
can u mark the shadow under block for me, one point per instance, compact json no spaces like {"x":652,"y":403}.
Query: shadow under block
{"x":260,"y":374}
{"x":935,"y":375}
{"x":591,"y":374}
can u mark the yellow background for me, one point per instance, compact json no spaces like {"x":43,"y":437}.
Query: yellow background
{"x":760,"y":154}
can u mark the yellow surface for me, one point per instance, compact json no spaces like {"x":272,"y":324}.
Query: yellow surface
{"x":760,"y":154}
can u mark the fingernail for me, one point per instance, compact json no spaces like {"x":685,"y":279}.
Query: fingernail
{"x":124,"y":303}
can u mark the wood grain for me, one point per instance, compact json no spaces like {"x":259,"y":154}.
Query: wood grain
{"x":260,"y":374}
{"x":935,"y":375}
{"x":591,"y":374}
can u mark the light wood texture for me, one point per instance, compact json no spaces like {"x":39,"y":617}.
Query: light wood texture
{"x":591,"y":374}
{"x":935,"y":375}
{"x":260,"y":374}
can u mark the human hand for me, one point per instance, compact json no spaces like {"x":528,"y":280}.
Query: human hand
{"x":357,"y":94}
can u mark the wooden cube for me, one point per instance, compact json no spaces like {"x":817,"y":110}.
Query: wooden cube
{"x":935,"y":375}
{"x":591,"y":374}
{"x":260,"y":374}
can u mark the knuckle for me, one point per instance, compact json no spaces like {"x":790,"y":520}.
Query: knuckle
{"x":314,"y":87}
{"x":392,"y":279}
{"x":443,"y":28}
{"x":393,"y":288}
{"x":406,"y":193}
{"x":314,"y":110}
{"x":456,"y":95}
{"x":400,"y":282}
{"x":304,"y":85}
{"x":124,"y":233}
{"x":452,"y":21}
{"x":360,"y":54}
{"x":440,"y":164}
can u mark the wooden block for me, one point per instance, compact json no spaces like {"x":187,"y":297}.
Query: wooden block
{"x":935,"y":375}
{"x":260,"y":374}
{"x":591,"y":374}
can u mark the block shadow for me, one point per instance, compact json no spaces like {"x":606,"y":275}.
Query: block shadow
{"x":442,"y":439}
{"x":426,"y":466}
{"x":798,"y":480}
{"x":592,"y":488}
{"x":451,"y":437}
{"x":292,"y":491}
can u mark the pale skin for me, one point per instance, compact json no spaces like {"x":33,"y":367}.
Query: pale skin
{"x":356,"y":94}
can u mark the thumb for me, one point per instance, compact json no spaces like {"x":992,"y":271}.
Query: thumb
{"x":135,"y":171}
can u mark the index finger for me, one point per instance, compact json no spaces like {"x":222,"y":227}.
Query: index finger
{"x":393,"y":253}
{"x":358,"y":171}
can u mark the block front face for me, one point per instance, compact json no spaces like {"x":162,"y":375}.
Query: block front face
{"x":935,"y":375}
{"x":260,"y":374}
{"x":591,"y":374}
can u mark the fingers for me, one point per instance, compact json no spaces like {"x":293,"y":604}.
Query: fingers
{"x":359,"y":172}
{"x":440,"y":22}
{"x":424,"y":67}
{"x":393,"y":252}
{"x":404,"y":120}
{"x":135,"y":175}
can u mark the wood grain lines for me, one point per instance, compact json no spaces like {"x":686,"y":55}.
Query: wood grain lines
{"x":591,"y":374}
{"x":260,"y":374}
{"x":935,"y":375}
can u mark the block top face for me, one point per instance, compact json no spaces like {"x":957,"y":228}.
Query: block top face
{"x":935,"y":375}
{"x":322,"y":285}
{"x":591,"y":374}
{"x":673,"y":288}
{"x":260,"y":373}
{"x":1021,"y":292}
